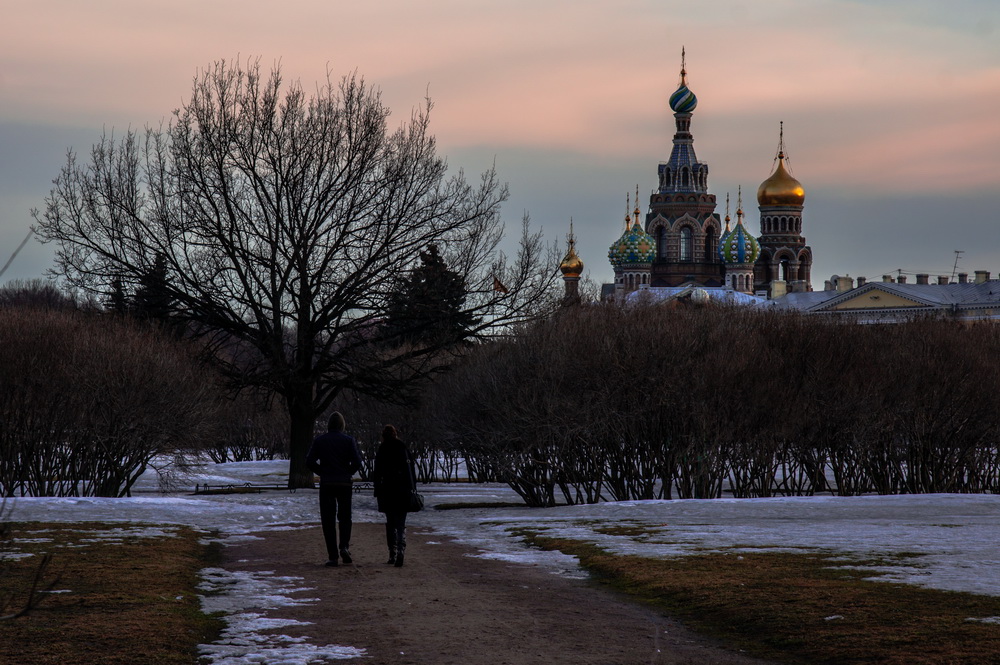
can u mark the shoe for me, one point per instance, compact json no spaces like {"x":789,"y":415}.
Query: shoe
{"x":391,"y":560}
{"x":399,"y":560}
{"x":346,"y":556}
{"x":332,"y":563}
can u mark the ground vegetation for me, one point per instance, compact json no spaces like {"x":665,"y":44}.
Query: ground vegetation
{"x":609,"y":403}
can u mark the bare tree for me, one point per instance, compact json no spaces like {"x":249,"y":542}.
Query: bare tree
{"x":86,"y":401}
{"x":283,"y":220}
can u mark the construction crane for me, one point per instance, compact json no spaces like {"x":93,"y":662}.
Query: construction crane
{"x":16,"y":251}
{"x":954,"y":270}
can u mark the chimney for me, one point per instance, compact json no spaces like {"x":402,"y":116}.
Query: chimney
{"x":963,"y":278}
{"x":862,"y":281}
{"x":828,"y":285}
{"x":942,"y":279}
{"x":844,"y":284}
{"x":778,"y":288}
{"x":887,"y":278}
{"x":901,"y":279}
{"x":922,"y":278}
{"x":982,"y":276}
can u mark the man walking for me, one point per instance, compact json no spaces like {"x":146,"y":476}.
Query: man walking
{"x":335,"y":457}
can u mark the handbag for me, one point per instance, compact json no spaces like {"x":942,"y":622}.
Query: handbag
{"x":416,"y":502}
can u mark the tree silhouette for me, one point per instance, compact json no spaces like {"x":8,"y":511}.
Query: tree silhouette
{"x":283,"y":220}
{"x":153,"y":300}
{"x":427,"y":306}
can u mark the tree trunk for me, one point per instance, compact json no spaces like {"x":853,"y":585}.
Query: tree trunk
{"x":302,"y":419}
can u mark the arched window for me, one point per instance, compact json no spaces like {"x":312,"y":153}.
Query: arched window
{"x":685,"y":177}
{"x":661,"y":242}
{"x":686,"y":243}
{"x":784,"y":270}
{"x":711,"y":246}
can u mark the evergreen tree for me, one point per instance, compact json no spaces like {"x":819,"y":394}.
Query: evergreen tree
{"x":427,"y":306}
{"x":117,"y":302}
{"x":152,"y":300}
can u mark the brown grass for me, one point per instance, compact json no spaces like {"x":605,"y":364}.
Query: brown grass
{"x":131,"y":603}
{"x":777,"y":605}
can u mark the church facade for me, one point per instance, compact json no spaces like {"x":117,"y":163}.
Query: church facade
{"x":681,"y":240}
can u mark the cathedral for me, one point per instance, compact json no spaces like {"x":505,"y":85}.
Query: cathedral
{"x":681,"y":241}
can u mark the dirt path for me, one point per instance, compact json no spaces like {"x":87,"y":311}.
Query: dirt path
{"x":444,"y":607}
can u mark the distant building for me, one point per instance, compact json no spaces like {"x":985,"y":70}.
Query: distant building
{"x":889,"y":301}
{"x":681,"y":239}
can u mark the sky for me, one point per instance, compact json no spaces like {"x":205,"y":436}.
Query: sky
{"x":891,"y":108}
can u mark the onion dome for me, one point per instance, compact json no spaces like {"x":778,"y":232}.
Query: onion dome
{"x":571,"y":265}
{"x":683,"y":100}
{"x":739,"y":246}
{"x":634,"y":247}
{"x":781,"y":189}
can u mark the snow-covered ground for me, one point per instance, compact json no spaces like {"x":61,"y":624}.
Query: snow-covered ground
{"x":954,"y":536}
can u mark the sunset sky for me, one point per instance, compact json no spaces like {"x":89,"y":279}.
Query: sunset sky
{"x":891,"y":108}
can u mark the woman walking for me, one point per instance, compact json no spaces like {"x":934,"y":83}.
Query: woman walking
{"x":395,"y":481}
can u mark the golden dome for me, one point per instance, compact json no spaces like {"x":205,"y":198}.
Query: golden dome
{"x":571,"y":265}
{"x":781,"y":189}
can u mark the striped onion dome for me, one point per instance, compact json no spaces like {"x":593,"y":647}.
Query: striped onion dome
{"x":739,"y":246}
{"x":683,"y":100}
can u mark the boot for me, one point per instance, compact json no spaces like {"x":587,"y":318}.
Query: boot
{"x":400,"y":550}
{"x":392,"y":556}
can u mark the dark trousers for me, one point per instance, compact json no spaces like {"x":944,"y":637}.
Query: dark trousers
{"x":335,"y":506}
{"x":395,"y":531}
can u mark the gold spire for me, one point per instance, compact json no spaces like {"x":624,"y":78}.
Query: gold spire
{"x":739,"y":205}
{"x":781,"y":188}
{"x":683,"y":67}
{"x":571,"y":265}
{"x":635,"y":213}
{"x":728,"y":218}
{"x":628,"y":220}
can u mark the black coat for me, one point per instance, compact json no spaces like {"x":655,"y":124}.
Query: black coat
{"x":335,"y":457}
{"x":394,"y":476}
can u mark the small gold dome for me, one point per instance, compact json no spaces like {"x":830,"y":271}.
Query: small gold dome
{"x":781,"y":189}
{"x":571,"y":265}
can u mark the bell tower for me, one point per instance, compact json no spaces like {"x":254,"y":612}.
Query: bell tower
{"x":682,"y":219}
{"x":784,"y":254}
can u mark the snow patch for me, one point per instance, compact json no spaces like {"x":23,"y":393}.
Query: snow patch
{"x":244,"y":640}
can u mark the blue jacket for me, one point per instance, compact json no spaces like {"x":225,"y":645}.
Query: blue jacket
{"x":335,"y":457}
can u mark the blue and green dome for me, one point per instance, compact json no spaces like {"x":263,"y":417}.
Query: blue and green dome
{"x":739,"y":246}
{"x":634,"y":247}
{"x":683,"y":100}
{"x":725,"y":234}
